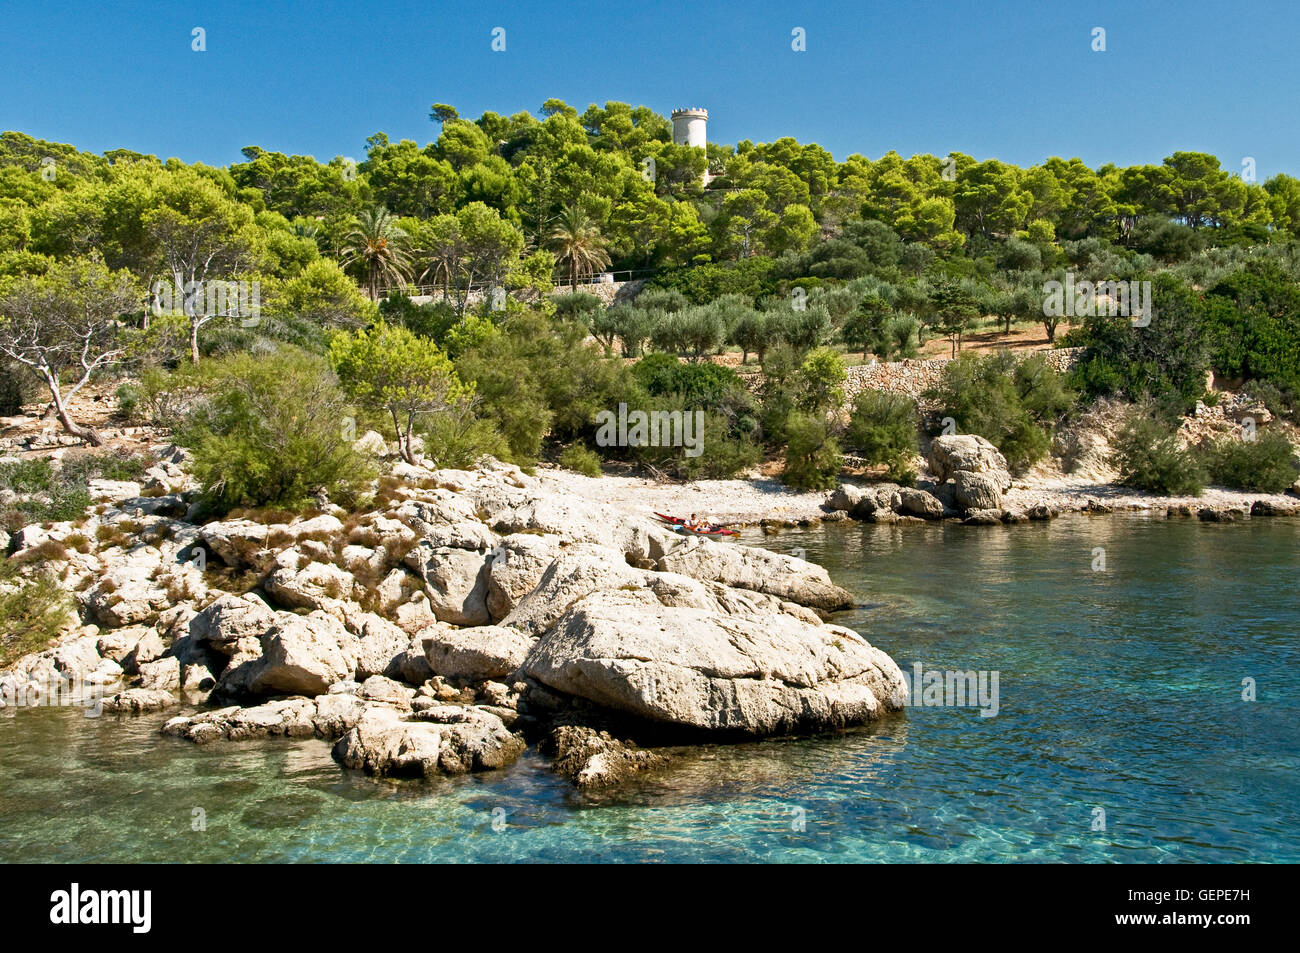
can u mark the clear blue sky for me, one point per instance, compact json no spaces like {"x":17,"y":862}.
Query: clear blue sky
{"x":1017,"y":81}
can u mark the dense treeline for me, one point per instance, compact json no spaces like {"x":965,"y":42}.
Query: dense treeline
{"x":779,"y":252}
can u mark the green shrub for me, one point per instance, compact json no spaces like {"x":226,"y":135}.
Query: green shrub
{"x":812,"y":454}
{"x":883,"y":428}
{"x":819,"y":381}
{"x":725,"y":454}
{"x":702,"y":385}
{"x":1166,"y":361}
{"x":129,"y":401}
{"x":1149,"y":457}
{"x":27,"y":476}
{"x":580,"y":457}
{"x":1012,"y":403}
{"x":433,"y":319}
{"x":458,"y":440}
{"x":539,"y":378}
{"x":32,"y":611}
{"x":752,"y":277}
{"x":1266,"y":464}
{"x":577,"y":306}
{"x":104,"y":465}
{"x":18,"y":386}
{"x":50,"y":494}
{"x":269,"y":430}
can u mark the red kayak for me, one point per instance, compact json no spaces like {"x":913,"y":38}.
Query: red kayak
{"x":679,"y":524}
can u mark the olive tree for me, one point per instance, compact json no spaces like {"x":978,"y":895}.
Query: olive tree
{"x":64,"y":325}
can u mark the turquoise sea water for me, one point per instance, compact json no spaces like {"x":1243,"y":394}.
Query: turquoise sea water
{"x":1120,"y":691}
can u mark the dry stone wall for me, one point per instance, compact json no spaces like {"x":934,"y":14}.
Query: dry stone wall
{"x":914,"y":377}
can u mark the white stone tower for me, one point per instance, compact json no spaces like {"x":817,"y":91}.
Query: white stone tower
{"x":689,"y":127}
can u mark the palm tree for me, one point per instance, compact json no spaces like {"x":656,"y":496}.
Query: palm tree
{"x":380,"y":246}
{"x":576,"y":240}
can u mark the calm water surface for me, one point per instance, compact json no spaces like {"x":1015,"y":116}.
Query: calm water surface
{"x":1120,"y":691}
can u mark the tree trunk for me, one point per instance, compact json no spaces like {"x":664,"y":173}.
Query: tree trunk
{"x":88,"y":434}
{"x":194,"y":341}
{"x":403,"y":438}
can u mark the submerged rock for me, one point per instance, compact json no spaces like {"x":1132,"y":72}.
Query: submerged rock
{"x":137,"y":700}
{"x":591,"y":758}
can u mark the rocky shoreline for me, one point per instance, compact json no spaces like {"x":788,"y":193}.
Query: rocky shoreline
{"x":1044,"y":493}
{"x":465,"y":616}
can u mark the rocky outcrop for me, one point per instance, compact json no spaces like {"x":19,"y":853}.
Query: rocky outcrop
{"x":885,"y":502}
{"x":455,"y":582}
{"x":706,"y":670}
{"x":775,"y":574}
{"x":442,"y":740}
{"x":975,"y":491}
{"x":428,"y":635}
{"x":920,"y":503}
{"x":978,"y":471}
{"x":592,"y":758}
{"x":304,"y":655}
{"x":518,"y":564}
{"x":1275,"y":508}
{"x":951,"y":453}
{"x":1222,"y":514}
{"x":477,"y":653}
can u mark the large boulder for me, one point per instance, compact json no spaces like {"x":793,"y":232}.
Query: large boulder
{"x":975,"y":491}
{"x":577,"y":572}
{"x":449,"y":521}
{"x":129,"y":592}
{"x":581,"y":521}
{"x":296,"y":583}
{"x":442,"y":740}
{"x":304,"y":655}
{"x":518,"y":564}
{"x":244,"y":544}
{"x":381,"y":646}
{"x":951,"y":453}
{"x":776,"y":574}
{"x":982,"y":517}
{"x":699,"y":669}
{"x":920,"y":503}
{"x":455,"y":581}
{"x":230,"y":619}
{"x":475,"y":654}
{"x":845,"y":497}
